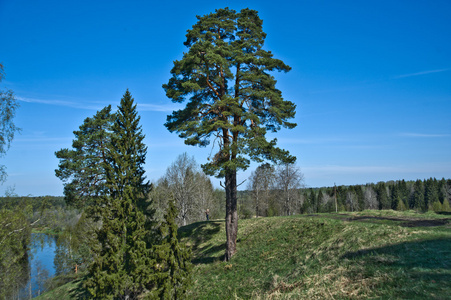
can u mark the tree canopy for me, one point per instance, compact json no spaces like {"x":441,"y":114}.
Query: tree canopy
{"x":232,"y":98}
{"x":83,"y":168}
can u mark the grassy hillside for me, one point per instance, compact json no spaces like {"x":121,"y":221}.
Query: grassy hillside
{"x":378,"y":254}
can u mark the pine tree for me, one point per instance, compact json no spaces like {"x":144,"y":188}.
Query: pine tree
{"x":233,"y":99}
{"x":123,"y":265}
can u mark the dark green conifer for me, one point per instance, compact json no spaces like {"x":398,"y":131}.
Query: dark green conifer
{"x":431,"y":194}
{"x":394,"y":195}
{"x":123,"y":266}
{"x":174,"y":260}
{"x":382,"y":197}
{"x":418,"y":196}
{"x":82,"y":168}
{"x":233,"y":99}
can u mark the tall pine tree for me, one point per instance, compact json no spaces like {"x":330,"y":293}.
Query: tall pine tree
{"x":123,"y":266}
{"x":233,"y":99}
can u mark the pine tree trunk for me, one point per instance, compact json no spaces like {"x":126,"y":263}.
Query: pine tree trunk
{"x":231,"y":214}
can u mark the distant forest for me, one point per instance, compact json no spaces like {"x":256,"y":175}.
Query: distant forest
{"x":420,"y":195}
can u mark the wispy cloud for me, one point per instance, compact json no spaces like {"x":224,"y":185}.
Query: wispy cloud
{"x":42,"y":139}
{"x":99,"y":105}
{"x":72,"y":104}
{"x":425,"y":135}
{"x":420,"y":73}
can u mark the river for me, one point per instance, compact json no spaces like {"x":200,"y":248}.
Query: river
{"x":41,"y":264}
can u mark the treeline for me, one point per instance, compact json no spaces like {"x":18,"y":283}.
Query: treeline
{"x":270,"y":199}
{"x":47,"y":213}
{"x":280,"y":191}
{"x":420,"y":195}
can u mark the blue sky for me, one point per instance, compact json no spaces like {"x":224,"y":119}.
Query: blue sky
{"x":371,"y":81}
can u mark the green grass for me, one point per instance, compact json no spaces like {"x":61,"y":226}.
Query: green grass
{"x":370,"y":254}
{"x":68,"y":291}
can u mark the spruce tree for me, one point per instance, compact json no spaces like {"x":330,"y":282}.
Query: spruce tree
{"x":418,"y":196}
{"x":394,"y":195}
{"x":431,"y":192}
{"x":123,"y":266}
{"x":174,"y":260}
{"x":82,"y":168}
{"x":382,"y":197}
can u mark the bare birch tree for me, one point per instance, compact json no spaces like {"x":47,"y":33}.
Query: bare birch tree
{"x":289,"y":179}
{"x":190,"y":187}
{"x":261,"y":184}
{"x":370,"y":198}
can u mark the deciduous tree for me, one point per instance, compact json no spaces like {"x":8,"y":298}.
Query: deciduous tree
{"x":191,"y":189}
{"x":370,"y":198}
{"x":8,"y":107}
{"x":289,"y":179}
{"x":261,"y":184}
{"x":232,"y":99}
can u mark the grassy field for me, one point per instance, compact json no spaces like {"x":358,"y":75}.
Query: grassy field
{"x":370,"y":254}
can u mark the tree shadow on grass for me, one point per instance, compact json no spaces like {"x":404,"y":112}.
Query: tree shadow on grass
{"x":412,"y":270}
{"x":430,"y":254}
{"x":426,"y":260}
{"x":80,"y":292}
{"x":208,"y":256}
{"x":204,"y":245}
{"x":402,"y":221}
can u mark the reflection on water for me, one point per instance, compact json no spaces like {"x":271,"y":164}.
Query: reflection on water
{"x":41,"y":255}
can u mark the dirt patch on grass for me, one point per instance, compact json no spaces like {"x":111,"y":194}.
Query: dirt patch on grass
{"x":405,"y":222}
{"x":426,"y":223}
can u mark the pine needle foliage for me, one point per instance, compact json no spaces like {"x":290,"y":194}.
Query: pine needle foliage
{"x":233,"y":99}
